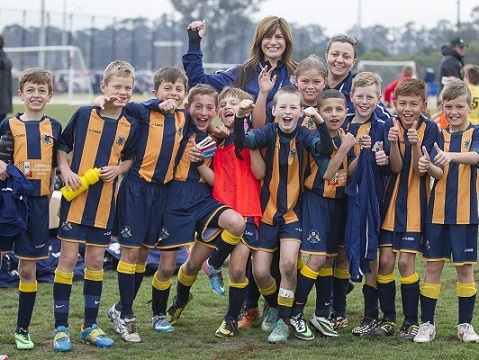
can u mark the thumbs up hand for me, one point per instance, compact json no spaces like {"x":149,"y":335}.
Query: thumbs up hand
{"x":442,"y":158}
{"x":393,"y":134}
{"x":381,"y":157}
{"x":412,"y":133}
{"x":424,"y":161}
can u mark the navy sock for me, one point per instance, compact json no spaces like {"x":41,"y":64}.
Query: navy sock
{"x":92,"y":295}
{"x":61,"y":303}
{"x":387,"y":299}
{"x":410,"y":302}
{"x":26,"y":302}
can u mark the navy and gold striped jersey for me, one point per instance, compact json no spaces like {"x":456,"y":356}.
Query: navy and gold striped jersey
{"x":96,"y":142}
{"x":285,"y":158}
{"x":406,"y":195}
{"x":333,"y":188}
{"x":454,"y":196}
{"x":186,"y":170}
{"x":159,"y":139}
{"x":34,"y":149}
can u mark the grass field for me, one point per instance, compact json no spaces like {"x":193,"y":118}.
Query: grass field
{"x":194,"y":337}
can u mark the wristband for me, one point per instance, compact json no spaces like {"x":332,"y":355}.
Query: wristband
{"x":194,"y":37}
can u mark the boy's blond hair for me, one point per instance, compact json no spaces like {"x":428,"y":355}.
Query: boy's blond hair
{"x":37,"y":76}
{"x":367,"y":78}
{"x":287,"y":90}
{"x":202,"y":89}
{"x":234,"y":92}
{"x":411,"y":87}
{"x":119,"y":68}
{"x":169,"y":74}
{"x":472,"y":73}
{"x":454,"y":89}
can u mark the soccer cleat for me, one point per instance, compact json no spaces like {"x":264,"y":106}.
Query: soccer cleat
{"x":466,"y":333}
{"x":365,"y":327}
{"x":300,"y":329}
{"x":426,"y":333}
{"x":270,"y":319}
{"x":407,"y":332}
{"x":160,"y":324}
{"x":23,"y":340}
{"x":228,"y":328}
{"x":279,"y":333}
{"x":323,"y":325}
{"x":96,"y":336}
{"x":114,"y":316}
{"x":384,"y":328}
{"x":215,"y":276}
{"x":338,"y":321}
{"x":61,"y":339}
{"x":174,"y":311}
{"x":128,"y":330}
{"x":248,"y":317}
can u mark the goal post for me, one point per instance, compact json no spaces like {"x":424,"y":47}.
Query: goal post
{"x":72,"y":81}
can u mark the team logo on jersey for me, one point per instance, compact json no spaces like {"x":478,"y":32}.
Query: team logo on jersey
{"x":466,"y":144}
{"x":47,"y":139}
{"x":120,"y":140}
{"x":309,"y":124}
{"x":334,"y":179}
{"x":66,"y":226}
{"x":313,"y":237}
{"x":164,"y":233}
{"x":125,"y":232}
{"x":179,"y":132}
{"x":292,"y":153}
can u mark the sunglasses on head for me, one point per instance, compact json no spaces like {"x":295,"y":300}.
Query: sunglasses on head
{"x":344,"y":38}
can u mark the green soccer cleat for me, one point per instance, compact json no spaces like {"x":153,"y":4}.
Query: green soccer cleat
{"x":23,"y":340}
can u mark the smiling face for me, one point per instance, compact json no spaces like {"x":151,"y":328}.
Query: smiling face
{"x":35,"y":96}
{"x":228,"y":107}
{"x":333,"y":111}
{"x":365,"y":99}
{"x":273,"y":46}
{"x":203,"y":110}
{"x":310,"y":84}
{"x":340,"y":59}
{"x":409,"y":109}
{"x":456,"y":112}
{"x":287,"y":110}
{"x":168,"y":90}
{"x":120,"y":87}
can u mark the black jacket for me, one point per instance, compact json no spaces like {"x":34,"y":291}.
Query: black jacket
{"x":451,"y":64}
{"x":5,"y":83}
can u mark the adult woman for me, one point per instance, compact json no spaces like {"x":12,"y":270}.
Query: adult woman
{"x":271,"y":52}
{"x":340,"y":57}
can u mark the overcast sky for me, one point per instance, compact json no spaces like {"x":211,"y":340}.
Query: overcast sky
{"x":334,"y":16}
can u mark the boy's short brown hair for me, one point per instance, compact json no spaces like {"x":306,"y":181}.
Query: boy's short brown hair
{"x":202,"y":89}
{"x":168,"y":74}
{"x":118,"y":68}
{"x":234,"y":92}
{"x":411,"y":87}
{"x":36,"y":75}
{"x":454,"y":89}
{"x":472,"y":73}
{"x":367,"y":78}
{"x":330,"y":94}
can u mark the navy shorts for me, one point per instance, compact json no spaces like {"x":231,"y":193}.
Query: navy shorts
{"x":271,"y":235}
{"x":190,"y":208}
{"x":401,"y":241}
{"x":84,"y":234}
{"x":31,"y":244}
{"x":458,"y":241}
{"x":139,"y":212}
{"x":251,"y":234}
{"x":323,"y":224}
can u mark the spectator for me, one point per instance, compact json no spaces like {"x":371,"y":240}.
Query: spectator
{"x":5,"y":82}
{"x":452,"y":60}
{"x":388,"y":98}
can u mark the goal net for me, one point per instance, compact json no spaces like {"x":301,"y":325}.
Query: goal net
{"x":72,"y":82}
{"x":388,"y":70}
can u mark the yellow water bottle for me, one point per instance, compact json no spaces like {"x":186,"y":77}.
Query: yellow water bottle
{"x":90,"y":177}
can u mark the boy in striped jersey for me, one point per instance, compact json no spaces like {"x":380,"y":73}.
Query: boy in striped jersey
{"x":452,"y":218}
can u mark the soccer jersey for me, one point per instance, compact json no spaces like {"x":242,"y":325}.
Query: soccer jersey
{"x":159,"y":139}
{"x":406,"y":194}
{"x":454,"y":196}
{"x":96,"y":142}
{"x":34,"y":149}
{"x":186,"y":170}
{"x":473,"y":116}
{"x":285,"y":156}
